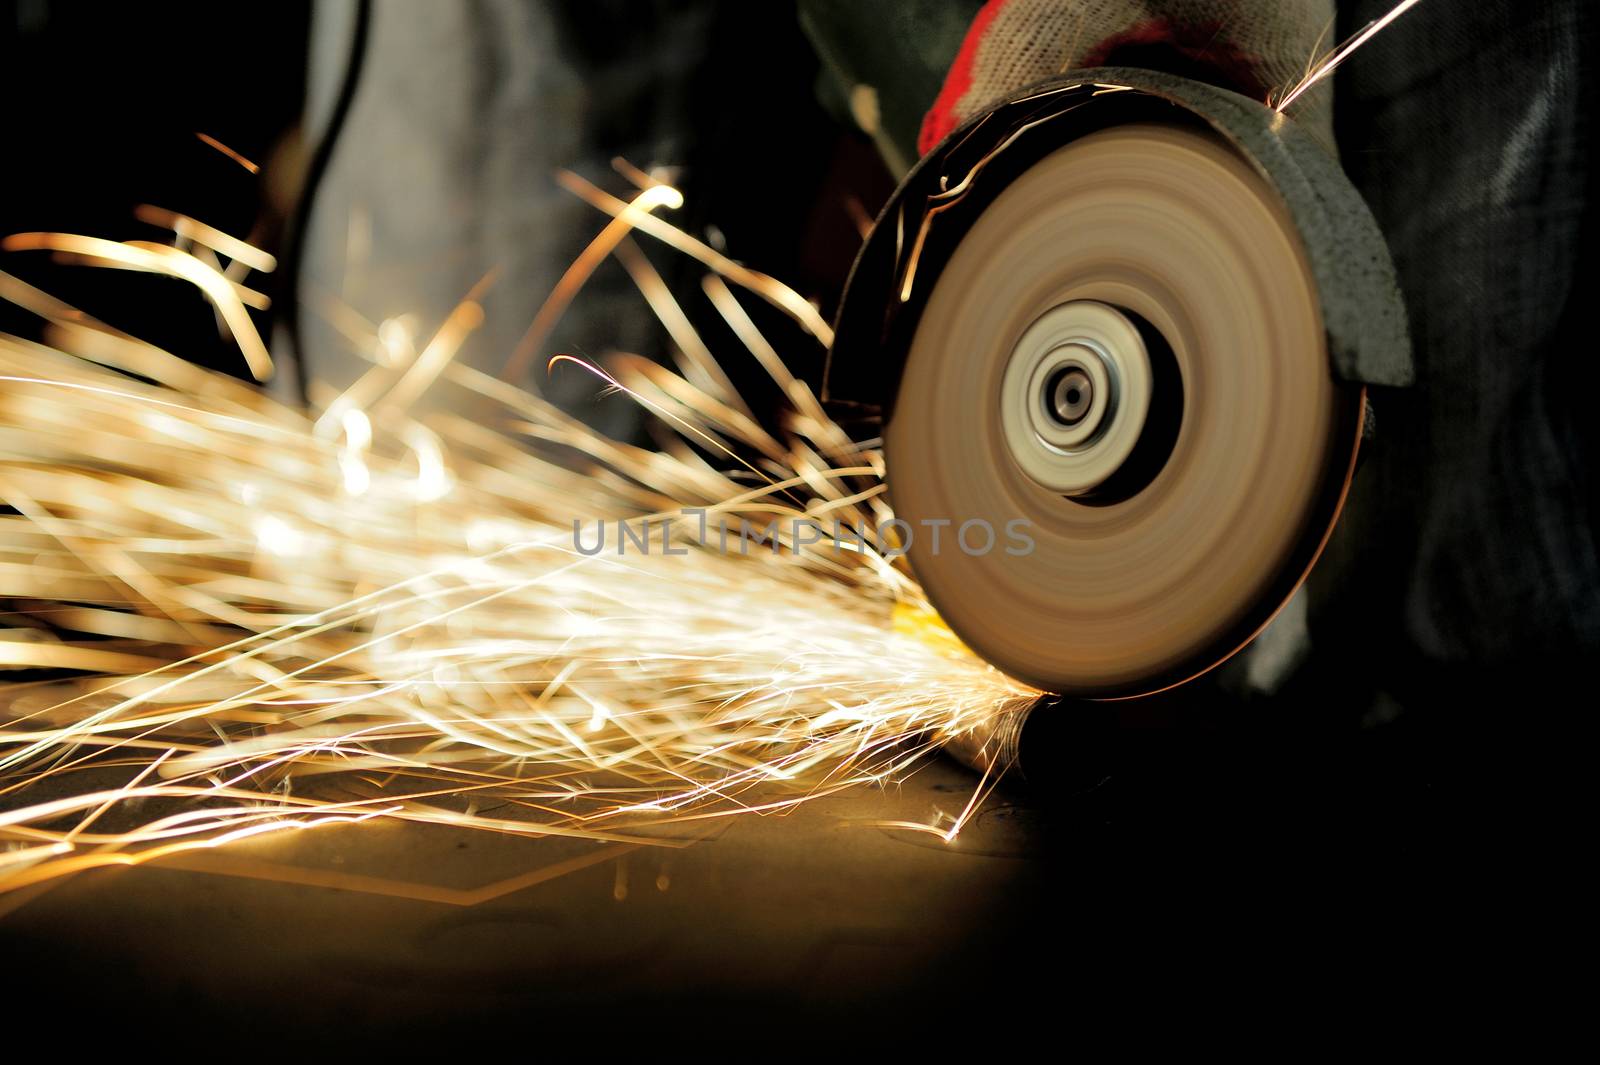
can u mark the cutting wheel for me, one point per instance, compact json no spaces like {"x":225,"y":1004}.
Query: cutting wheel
{"x":1124,"y":361}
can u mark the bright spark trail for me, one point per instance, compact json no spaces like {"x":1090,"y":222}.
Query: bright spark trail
{"x":253,"y":620}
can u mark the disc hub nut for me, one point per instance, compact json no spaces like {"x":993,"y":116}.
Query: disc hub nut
{"x":1075,"y":396}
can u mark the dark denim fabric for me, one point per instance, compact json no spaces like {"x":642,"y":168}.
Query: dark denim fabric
{"x":1470,"y":544}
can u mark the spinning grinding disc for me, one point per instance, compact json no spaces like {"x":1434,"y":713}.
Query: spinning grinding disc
{"x":1120,"y":357}
{"x":1136,"y":305}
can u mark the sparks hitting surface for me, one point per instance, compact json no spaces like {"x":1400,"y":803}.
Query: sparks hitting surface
{"x":275,"y":621}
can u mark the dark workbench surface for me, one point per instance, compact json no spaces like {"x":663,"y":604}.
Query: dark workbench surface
{"x":817,"y":925}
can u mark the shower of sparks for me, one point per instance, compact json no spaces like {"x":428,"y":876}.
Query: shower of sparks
{"x":248,"y":619}
{"x":1333,"y":60}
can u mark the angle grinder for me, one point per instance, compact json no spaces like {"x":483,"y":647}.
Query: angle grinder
{"x":1137,"y":314}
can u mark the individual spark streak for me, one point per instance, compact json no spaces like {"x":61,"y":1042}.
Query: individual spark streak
{"x":774,"y":291}
{"x":698,"y":366}
{"x":226,"y":295}
{"x":1343,"y":52}
{"x":680,"y":424}
{"x":212,"y":142}
{"x":387,"y":618}
{"x":649,"y":199}
{"x":353,"y":460}
{"x":437,"y":354}
{"x":433,"y":479}
{"x":247,"y":255}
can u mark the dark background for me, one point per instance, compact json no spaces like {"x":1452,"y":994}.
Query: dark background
{"x":103,"y":104}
